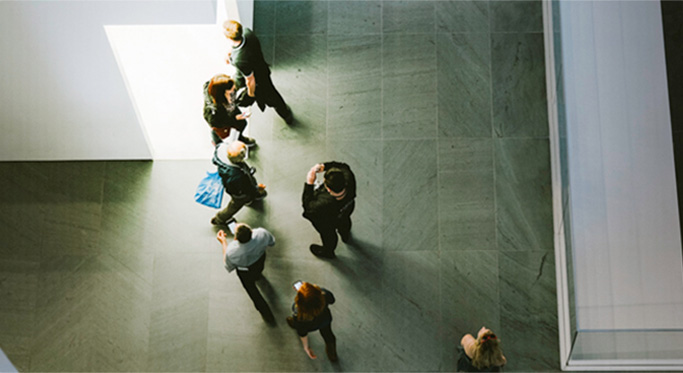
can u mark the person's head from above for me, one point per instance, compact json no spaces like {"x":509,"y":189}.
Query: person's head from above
{"x":233,"y":31}
{"x":220,"y":88}
{"x":487,"y":350}
{"x":243,"y":233}
{"x":237,"y":151}
{"x":335,"y":182}
{"x":310,"y":301}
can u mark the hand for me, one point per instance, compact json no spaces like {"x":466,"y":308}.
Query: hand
{"x":221,"y":237}
{"x":310,"y":353}
{"x":319,"y":167}
{"x":310,"y":177}
{"x":244,"y":115}
{"x":261,"y":186}
{"x":227,"y":57}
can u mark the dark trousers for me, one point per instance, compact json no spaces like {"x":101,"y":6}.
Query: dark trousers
{"x":248,"y":279}
{"x":267,"y":95}
{"x":236,"y":203}
{"x":328,"y":230}
{"x":233,"y":206}
{"x":330,"y":341}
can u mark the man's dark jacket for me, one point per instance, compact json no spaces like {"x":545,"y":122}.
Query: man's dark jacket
{"x":320,"y":206}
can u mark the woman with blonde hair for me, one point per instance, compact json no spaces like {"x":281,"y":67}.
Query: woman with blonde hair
{"x":482,"y":354}
{"x":311,"y":313}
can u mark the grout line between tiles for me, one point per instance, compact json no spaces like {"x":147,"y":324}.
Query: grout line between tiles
{"x":493,"y":161}
{"x":327,"y":81}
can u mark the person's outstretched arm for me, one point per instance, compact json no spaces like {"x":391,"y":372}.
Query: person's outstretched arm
{"x":309,"y":352}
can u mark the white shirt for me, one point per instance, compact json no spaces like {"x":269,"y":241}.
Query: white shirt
{"x":245,"y":254}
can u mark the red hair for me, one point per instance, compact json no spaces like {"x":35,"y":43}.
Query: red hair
{"x":218,"y":84}
{"x":310,"y":301}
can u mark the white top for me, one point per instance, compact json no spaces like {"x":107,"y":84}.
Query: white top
{"x":245,"y":254}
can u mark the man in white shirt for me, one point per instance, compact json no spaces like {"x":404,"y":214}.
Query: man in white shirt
{"x":247,"y":254}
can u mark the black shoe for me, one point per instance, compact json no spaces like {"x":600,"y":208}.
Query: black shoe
{"x":248,"y":141}
{"x":321,"y":252}
{"x":289,"y":118}
{"x":216,"y":221}
{"x":331,"y":350}
{"x":267,"y":316}
{"x":345,"y":236}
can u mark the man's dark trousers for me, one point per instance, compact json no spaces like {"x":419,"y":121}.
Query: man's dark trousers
{"x":267,"y":95}
{"x":248,"y":279}
{"x":328,"y":230}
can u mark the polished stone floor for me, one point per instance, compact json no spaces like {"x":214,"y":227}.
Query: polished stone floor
{"x":438,"y":106}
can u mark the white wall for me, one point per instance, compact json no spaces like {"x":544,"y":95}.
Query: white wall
{"x":626,"y":236}
{"x":63,"y":97}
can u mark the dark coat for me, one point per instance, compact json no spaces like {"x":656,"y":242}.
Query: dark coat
{"x":320,"y":206}
{"x":218,"y":117}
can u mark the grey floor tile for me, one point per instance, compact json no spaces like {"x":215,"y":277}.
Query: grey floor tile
{"x":467,"y":210}
{"x":302,"y":81}
{"x":20,"y":196}
{"x":180,"y":298}
{"x":355,"y":17}
{"x":466,"y":195}
{"x":354,"y":108}
{"x":521,"y":16}
{"x":469,"y":298}
{"x":527,"y":286}
{"x":354,"y":55}
{"x":519,"y":94}
{"x":462,"y":16}
{"x":124,"y":294}
{"x":126,"y":188}
{"x":264,"y":24}
{"x":74,"y":228}
{"x":411,"y":317}
{"x":464,"y":85}
{"x":62,"y":332}
{"x":409,"y":87}
{"x":408,"y":17}
{"x":301,"y":17}
{"x":408,"y":54}
{"x":409,"y":111}
{"x":19,"y":289}
{"x":465,"y":154}
{"x":408,"y":218}
{"x":523,"y":195}
{"x":355,"y":87}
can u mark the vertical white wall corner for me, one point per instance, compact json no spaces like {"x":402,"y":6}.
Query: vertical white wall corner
{"x":241,"y":11}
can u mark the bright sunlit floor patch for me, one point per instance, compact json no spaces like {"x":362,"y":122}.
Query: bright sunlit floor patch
{"x":164,"y":68}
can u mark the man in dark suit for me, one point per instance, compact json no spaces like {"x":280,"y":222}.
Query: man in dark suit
{"x":252,"y":70}
{"x":329,"y":206}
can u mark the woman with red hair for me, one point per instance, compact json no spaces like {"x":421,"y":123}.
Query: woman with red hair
{"x":311,"y":313}
{"x":482,"y":354}
{"x":221,"y":109}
